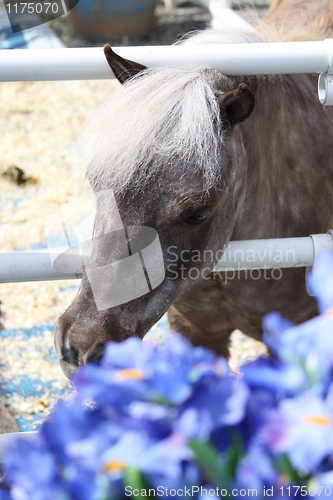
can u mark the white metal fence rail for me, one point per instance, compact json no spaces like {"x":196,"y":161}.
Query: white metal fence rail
{"x":230,"y":59}
{"x":279,"y":253}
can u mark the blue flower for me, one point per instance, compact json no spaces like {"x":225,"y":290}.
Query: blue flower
{"x":271,"y":374}
{"x":40,"y":466}
{"x":320,"y":281}
{"x":172,"y":380}
{"x":321,"y":485}
{"x":132,"y":370}
{"x":171,"y":415}
{"x":76,"y":422}
{"x":309,"y":345}
{"x":302,"y":427}
{"x":147,"y":402}
{"x":256,"y":470}
{"x":213,"y":406}
{"x":37,"y":473}
{"x":206,"y":491}
{"x":5,"y":495}
{"x":160,"y":461}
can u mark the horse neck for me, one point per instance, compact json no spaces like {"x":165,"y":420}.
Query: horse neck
{"x":286,"y":138}
{"x":289,"y":20}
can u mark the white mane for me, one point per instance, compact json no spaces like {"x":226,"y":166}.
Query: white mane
{"x":161,"y":117}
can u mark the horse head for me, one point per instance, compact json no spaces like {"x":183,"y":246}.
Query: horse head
{"x":168,"y":168}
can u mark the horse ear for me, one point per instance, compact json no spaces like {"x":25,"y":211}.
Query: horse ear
{"x":237,"y":105}
{"x":123,"y":69}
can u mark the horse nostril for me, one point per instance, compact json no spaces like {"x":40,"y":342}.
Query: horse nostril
{"x":70,"y":356}
{"x":96,"y":355}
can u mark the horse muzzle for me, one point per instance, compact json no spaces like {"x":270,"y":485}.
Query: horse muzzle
{"x":71,"y":358}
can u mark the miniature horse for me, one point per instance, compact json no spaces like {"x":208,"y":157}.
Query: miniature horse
{"x":203,"y":158}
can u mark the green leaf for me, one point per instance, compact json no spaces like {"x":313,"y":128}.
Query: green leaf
{"x":235,"y":453}
{"x":208,"y":458}
{"x":134,"y":478}
{"x":284,"y":466}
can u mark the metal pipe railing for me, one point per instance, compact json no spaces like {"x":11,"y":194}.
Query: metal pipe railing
{"x":230,"y":59}
{"x":277,"y":253}
{"x":238,"y":255}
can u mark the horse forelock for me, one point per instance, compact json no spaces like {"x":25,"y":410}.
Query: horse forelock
{"x":165,"y":118}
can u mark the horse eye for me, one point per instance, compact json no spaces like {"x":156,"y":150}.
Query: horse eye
{"x":198,"y":216}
